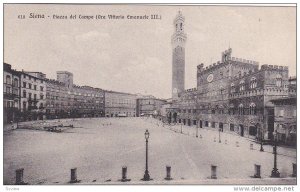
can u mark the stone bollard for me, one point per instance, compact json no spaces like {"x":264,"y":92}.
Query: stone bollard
{"x":226,"y":141}
{"x":251,"y":146}
{"x":168,"y":169}
{"x":213,"y":172}
{"x":294,"y":170}
{"x":124,"y":174}
{"x":19,"y":177}
{"x":200,"y":136}
{"x":214,"y":139}
{"x":237,"y":144}
{"x":256,"y":171}
{"x":74,"y":175}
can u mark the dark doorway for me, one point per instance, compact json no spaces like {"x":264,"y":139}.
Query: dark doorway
{"x":221,"y":126}
{"x":169,"y":117}
{"x":184,"y":121}
{"x":194,"y":122}
{"x":200,"y":123}
{"x":174,"y":117}
{"x":241,"y":130}
{"x":253,"y":131}
{"x":189,"y":122}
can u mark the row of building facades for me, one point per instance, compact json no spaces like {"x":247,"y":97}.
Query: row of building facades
{"x":235,"y":95}
{"x":32,"y":96}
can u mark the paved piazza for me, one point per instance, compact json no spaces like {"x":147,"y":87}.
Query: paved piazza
{"x":99,"y":147}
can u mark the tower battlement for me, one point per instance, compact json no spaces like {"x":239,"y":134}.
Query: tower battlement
{"x":264,"y":67}
{"x":244,"y":61}
{"x":226,"y":59}
{"x":190,"y":90}
{"x":274,"y":67}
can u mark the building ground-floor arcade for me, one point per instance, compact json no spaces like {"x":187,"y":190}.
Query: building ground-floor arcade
{"x":249,"y":126}
{"x":246,"y":126}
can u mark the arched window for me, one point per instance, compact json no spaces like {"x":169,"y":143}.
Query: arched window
{"x":8,"y":79}
{"x":253,"y":83}
{"x":231,"y":109}
{"x":232,"y":88}
{"x":242,"y":85}
{"x":278,"y":81}
{"x":221,"y":109}
{"x":252,"y":109}
{"x":241,"y":109}
{"x":24,"y":93}
{"x":16,"y":84}
{"x":221,"y":88}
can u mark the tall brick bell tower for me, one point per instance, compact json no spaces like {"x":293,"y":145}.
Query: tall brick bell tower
{"x":178,"y":57}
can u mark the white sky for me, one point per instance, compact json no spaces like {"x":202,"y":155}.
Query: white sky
{"x":135,"y":56}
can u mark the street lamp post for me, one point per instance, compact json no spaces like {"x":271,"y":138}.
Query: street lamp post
{"x":261,"y":119}
{"x":219,"y":135}
{"x":261,"y":141}
{"x":181,"y":128}
{"x":146,"y":175}
{"x":275,"y":172}
{"x":197,"y":131}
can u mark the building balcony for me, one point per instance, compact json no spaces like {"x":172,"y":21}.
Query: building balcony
{"x":10,"y":109}
{"x":10,"y":96}
{"x":30,"y":100}
{"x":30,"y":108}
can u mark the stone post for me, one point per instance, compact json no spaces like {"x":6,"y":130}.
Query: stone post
{"x":294,"y":170}
{"x":73,"y":175}
{"x":168,"y":170}
{"x":124,"y":174}
{"x":19,"y":176}
{"x":256,"y":171}
{"x":213,"y":172}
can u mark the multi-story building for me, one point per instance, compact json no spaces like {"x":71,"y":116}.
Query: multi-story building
{"x":56,"y":99}
{"x":11,"y":96}
{"x":33,"y":95}
{"x":293,"y":86}
{"x":120,"y":104}
{"x":285,"y":119}
{"x":149,"y":106}
{"x":66,"y":78}
{"x":87,"y":101}
{"x":169,"y":112}
{"x":234,"y":95}
{"x":64,"y":99}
